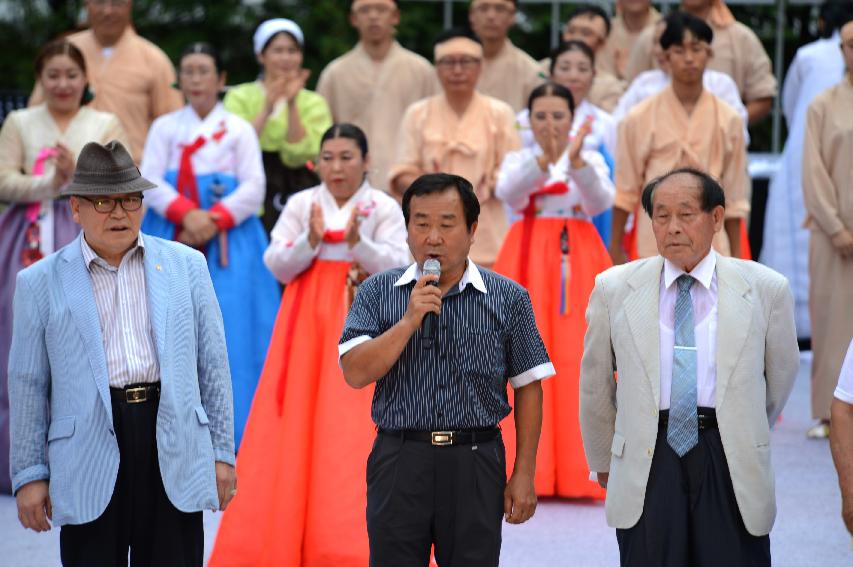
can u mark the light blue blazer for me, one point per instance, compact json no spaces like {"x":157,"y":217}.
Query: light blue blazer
{"x":60,"y":412}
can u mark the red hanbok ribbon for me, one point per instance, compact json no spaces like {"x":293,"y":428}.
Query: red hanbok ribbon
{"x":529,"y":212}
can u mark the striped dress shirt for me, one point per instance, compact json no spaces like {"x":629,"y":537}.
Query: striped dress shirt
{"x":485,"y":336}
{"x":122,"y":301}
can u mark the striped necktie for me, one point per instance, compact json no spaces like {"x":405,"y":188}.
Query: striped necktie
{"x":683,"y":430}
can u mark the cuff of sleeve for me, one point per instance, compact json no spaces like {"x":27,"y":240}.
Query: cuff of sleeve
{"x":178,"y":209}
{"x":29,"y":474}
{"x":625,"y":200}
{"x":846,"y":397}
{"x":585,"y":176}
{"x":831,"y":225}
{"x":593,"y":476}
{"x":224,"y":456}
{"x":225,"y":220}
{"x":344,"y":348}
{"x":529,"y":376}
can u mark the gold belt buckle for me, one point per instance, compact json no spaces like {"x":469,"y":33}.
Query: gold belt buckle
{"x":442,"y":438}
{"x":136,"y":395}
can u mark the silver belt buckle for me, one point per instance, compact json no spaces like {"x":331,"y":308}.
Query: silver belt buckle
{"x":442,"y":438}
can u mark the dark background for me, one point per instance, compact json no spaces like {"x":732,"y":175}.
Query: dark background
{"x":229,"y":25}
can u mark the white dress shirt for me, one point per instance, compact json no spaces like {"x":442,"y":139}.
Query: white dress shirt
{"x":844,"y":390}
{"x":703,"y":293}
{"x":122,"y":301}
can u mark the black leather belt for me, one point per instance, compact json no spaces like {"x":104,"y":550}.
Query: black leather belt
{"x":136,"y":393}
{"x":445,"y":438}
{"x":707,"y":418}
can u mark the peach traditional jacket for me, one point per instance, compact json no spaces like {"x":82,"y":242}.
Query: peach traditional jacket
{"x":658,"y":136}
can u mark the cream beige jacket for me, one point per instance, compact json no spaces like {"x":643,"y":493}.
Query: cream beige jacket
{"x":757,"y":361}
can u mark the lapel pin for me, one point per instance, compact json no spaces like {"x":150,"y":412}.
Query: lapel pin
{"x":158,"y":267}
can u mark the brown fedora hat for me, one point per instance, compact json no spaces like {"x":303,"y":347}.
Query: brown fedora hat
{"x":106,"y":170}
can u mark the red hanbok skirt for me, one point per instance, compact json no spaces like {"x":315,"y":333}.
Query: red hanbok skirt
{"x":302,"y":492}
{"x":559,"y":304}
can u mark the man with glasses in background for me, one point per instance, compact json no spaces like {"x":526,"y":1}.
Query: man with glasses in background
{"x":509,"y":74}
{"x":120,"y":394}
{"x":129,"y":76}
{"x":460,"y":131}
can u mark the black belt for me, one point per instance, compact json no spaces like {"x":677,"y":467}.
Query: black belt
{"x":444,"y":438}
{"x":136,"y":393}
{"x":707,"y":418}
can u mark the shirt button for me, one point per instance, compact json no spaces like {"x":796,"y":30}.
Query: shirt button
{"x":441,"y":385}
{"x":441,"y":414}
{"x":649,"y":452}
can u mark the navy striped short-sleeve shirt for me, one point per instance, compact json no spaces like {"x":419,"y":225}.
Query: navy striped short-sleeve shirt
{"x":486,"y":336}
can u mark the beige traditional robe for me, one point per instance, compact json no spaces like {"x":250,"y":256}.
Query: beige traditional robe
{"x":434,"y":138}
{"x":828,"y":196}
{"x":658,"y":136}
{"x":606,"y":91}
{"x":134,"y":82}
{"x":374,"y":96}
{"x":510,"y":76}
{"x":613,"y":58}
{"x":737,"y":52}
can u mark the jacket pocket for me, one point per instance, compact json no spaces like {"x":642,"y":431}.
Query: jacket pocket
{"x":618,"y":445}
{"x":201,"y":415}
{"x":61,"y":428}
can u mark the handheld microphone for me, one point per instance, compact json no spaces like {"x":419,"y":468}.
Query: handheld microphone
{"x":432,"y":267}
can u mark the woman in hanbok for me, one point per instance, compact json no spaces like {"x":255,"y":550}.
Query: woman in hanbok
{"x":206,"y":163}
{"x":555,"y":252}
{"x":38,"y":153}
{"x":573,"y":66}
{"x":288,"y":118}
{"x":302,"y":481}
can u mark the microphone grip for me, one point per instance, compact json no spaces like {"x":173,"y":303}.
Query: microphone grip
{"x":428,"y":326}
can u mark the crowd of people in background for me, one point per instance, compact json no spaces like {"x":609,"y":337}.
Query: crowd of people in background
{"x":279,"y":185}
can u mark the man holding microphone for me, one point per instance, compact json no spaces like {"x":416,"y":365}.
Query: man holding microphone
{"x":437,"y":471}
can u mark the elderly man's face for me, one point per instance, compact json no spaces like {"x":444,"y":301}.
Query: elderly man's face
{"x":110,"y":234}
{"x":458,"y":73}
{"x":109,"y":18}
{"x":437,"y":230}
{"x":683,"y":231}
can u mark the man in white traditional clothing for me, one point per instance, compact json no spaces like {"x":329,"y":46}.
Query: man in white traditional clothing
{"x":372,"y":84}
{"x":816,"y":67}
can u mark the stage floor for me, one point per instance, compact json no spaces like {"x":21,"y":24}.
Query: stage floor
{"x":808,"y":529}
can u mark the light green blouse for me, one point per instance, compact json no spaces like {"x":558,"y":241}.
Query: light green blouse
{"x":247,"y":101}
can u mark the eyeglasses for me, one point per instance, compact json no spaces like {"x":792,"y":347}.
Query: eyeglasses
{"x":108,"y":205}
{"x":464,"y":62}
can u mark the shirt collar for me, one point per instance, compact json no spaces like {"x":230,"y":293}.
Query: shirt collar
{"x":471,"y":276}
{"x":703,"y":272}
{"x":90,"y":255}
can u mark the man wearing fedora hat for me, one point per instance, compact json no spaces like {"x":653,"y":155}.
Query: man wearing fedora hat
{"x":120,"y":396}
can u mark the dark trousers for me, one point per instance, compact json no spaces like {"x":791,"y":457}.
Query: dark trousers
{"x":140,"y":516}
{"x":690,"y":516}
{"x":419,"y":495}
